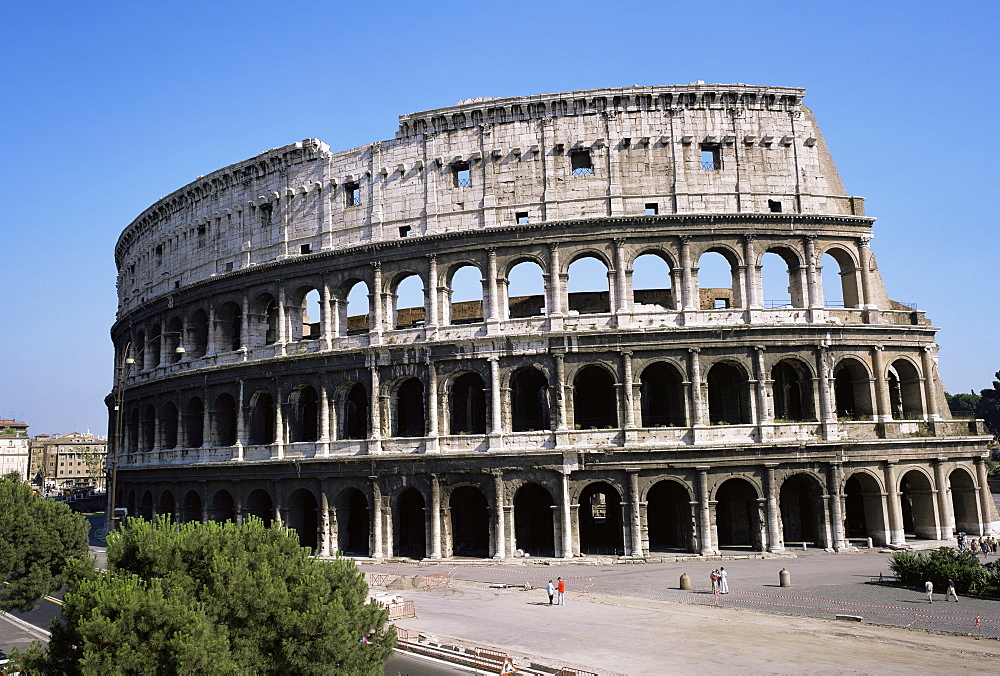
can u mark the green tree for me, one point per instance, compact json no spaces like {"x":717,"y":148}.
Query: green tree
{"x":962,"y":403}
{"x":989,"y":407}
{"x":248,"y":595}
{"x":94,"y":459}
{"x":38,"y":537}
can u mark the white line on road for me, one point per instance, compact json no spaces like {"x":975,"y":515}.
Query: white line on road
{"x":37,"y":632}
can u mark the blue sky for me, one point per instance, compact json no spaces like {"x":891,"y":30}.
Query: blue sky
{"x":107,"y":106}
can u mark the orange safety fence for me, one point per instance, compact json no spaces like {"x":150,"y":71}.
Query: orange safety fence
{"x":494,"y":660}
{"x":378,"y":579}
{"x":569,"y":671}
{"x":437,"y":580}
{"x":402,"y":609}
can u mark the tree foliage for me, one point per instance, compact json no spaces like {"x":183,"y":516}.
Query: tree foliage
{"x":963,"y":403}
{"x":217,"y":598}
{"x":939,"y":566}
{"x":38,"y":537}
{"x":989,"y":407}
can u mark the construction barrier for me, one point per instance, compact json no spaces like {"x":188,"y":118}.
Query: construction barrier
{"x":493,"y":661}
{"x":401,"y":610}
{"x":569,"y":671}
{"x":378,"y":579}
{"x":437,"y":580}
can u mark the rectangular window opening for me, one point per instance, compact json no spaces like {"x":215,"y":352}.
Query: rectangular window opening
{"x":521,"y":216}
{"x":352,"y":191}
{"x":305,"y":248}
{"x":721,"y":303}
{"x":229,"y":267}
{"x":711,"y":156}
{"x":652,"y":208}
{"x":581,"y":163}
{"x":404,"y":231}
{"x":266,"y":210}
{"x":463,"y":175}
{"x":774,"y":206}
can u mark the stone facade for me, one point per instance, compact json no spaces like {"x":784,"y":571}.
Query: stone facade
{"x":624,"y":421}
{"x":70,"y":460}
{"x":14,"y":448}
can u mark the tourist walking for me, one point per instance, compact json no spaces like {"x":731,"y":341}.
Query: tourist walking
{"x":929,"y":588}
{"x":550,"y":589}
{"x":951,"y":591}
{"x":723,"y":581}
{"x":715,"y":581}
{"x":561,"y":588}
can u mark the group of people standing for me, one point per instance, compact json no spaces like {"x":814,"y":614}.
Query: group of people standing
{"x":720,"y":581}
{"x":559,"y":588}
{"x":985,"y":545}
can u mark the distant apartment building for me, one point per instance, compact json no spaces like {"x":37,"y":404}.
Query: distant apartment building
{"x":72,"y":460}
{"x":14,"y":448}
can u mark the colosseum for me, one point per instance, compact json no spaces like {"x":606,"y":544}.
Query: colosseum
{"x":403,"y":349}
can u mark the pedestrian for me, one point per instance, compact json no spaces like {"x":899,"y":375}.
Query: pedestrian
{"x":561,"y":588}
{"x":961,"y":542}
{"x":715,"y":581}
{"x":951,"y":591}
{"x":985,"y":546}
{"x":723,"y":581}
{"x":929,"y":588}
{"x":550,"y":589}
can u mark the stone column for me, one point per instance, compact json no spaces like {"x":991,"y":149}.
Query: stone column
{"x":828,"y":416}
{"x":624,"y":303}
{"x":211,"y":348}
{"x":688,"y":292}
{"x":697,"y":409}
{"x":775,"y":541}
{"x":883,"y":407}
{"x":636,"y":530}
{"x":562,"y":423}
{"x":930,"y":391}
{"x":944,"y":499}
{"x":753,"y":273}
{"x":567,"y":522}
{"x":864,"y":253}
{"x":896,"y":534}
{"x":282,"y":336}
{"x":496,"y":421}
{"x":814,"y":297}
{"x":835,"y":481}
{"x":500,"y":546}
{"x":335,"y":328}
{"x":433,"y":408}
{"x":241,"y":431}
{"x":279,"y":425}
{"x":324,"y":517}
{"x":986,"y":505}
{"x":494,"y":316}
{"x":435,"y":517}
{"x":704,"y":512}
{"x":374,"y":443}
{"x":377,"y":548}
{"x":554,"y":304}
{"x":627,"y":388}
{"x":431,"y":292}
{"x":244,"y":321}
{"x":375,"y":321}
{"x":764,"y":412}
{"x":324,"y":418}
{"x":326,"y":309}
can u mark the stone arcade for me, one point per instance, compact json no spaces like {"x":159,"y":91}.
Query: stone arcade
{"x":268,"y":365}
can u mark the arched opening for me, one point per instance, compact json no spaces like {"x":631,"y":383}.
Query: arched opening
{"x":905,"y":391}
{"x":167,"y":506}
{"x":304,"y":419}
{"x":303,"y":517}
{"x":534,"y":532}
{"x":781,"y":279}
{"x":792,"y":391}
{"x":728,"y":395}
{"x":408,"y":303}
{"x":263,"y":321}
{"x":222,"y":508}
{"x":133,"y":431}
{"x":852,"y":390}
{"x":595,"y":405}
{"x":737,"y":515}
{"x":525,"y":290}
{"x":651,"y":284}
{"x":354,"y":310}
{"x":588,"y":286}
{"x":668,"y":517}
{"x":261,"y":418}
{"x":149,"y":428}
{"x":150,"y":356}
{"x":410,"y":525}
{"x":718,"y":280}
{"x":354,"y":421}
{"x":175,"y":332}
{"x":600,"y":520}
{"x":260,"y":505}
{"x":529,"y":400}
{"x":470,"y":522}
{"x":305,"y":319}
{"x":353,"y":523}
{"x":138,"y":350}
{"x":197,"y":334}
{"x":146,"y":506}
{"x":468,"y":405}
{"x":801,"y":504}
{"x":168,"y":426}
{"x":194,"y":423}
{"x":465,"y":296}
{"x":916,"y":498}
{"x":661,"y":396}
{"x":229,"y":327}
{"x":840,"y":279}
{"x":131,"y":504}
{"x":224,"y":420}
{"x":864,"y":515}
{"x":964,"y":502}
{"x":191,"y":510}
{"x":409,"y":420}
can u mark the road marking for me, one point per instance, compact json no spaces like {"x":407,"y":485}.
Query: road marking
{"x":37,"y":632}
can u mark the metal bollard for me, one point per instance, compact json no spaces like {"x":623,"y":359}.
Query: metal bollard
{"x":784,"y":578}
{"x":685,"y":581}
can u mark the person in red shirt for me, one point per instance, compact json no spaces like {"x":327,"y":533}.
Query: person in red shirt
{"x":561,"y":588}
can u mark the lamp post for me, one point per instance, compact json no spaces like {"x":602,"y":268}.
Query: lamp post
{"x":114,"y":450}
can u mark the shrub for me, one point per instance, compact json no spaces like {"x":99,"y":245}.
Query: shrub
{"x":939,"y":566}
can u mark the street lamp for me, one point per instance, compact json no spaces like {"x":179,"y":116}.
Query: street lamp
{"x":121,"y":368}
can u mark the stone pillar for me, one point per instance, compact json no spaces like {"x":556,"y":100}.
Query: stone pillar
{"x":500,"y":546}
{"x":753,"y":299}
{"x":636,"y":529}
{"x":562,"y":423}
{"x":775,"y":541}
{"x":986,"y":504}
{"x":282,"y":336}
{"x":328,"y":313}
{"x":375,"y":320}
{"x":279,"y":425}
{"x":324,"y":517}
{"x":704,"y":512}
{"x":335,"y":328}
{"x":567,"y":521}
{"x":627,"y":388}
{"x":764,"y":412}
{"x":435,"y":517}
{"x":883,"y":407}
{"x":697,"y":408}
{"x":835,"y":479}
{"x":433,"y":408}
{"x":430,"y":292}
{"x":865,"y":292}
{"x":211,"y":348}
{"x":688,"y":291}
{"x":496,"y":420}
{"x":896,"y":534}
{"x":324,"y":418}
{"x":241,"y":426}
{"x":206,"y":423}
{"x":944,"y":500}
{"x":624,"y":303}
{"x":377,"y":548}
{"x":495,"y":315}
{"x":813,"y":288}
{"x":930,"y":390}
{"x":374,"y":443}
{"x":555,"y":305}
{"x":828,"y":415}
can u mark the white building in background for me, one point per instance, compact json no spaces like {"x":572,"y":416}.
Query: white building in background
{"x":14,"y":448}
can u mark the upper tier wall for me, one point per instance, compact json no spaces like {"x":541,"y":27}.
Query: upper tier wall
{"x":483,"y":163}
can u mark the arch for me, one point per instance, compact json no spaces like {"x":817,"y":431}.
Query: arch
{"x":534,"y":520}
{"x":595,"y":404}
{"x":781,"y":278}
{"x":465,"y":294}
{"x":839,"y":274}
{"x":916,"y":497}
{"x":166,"y":506}
{"x":260,"y":505}
{"x":263,"y":321}
{"x":261,"y":418}
{"x":194,"y":423}
{"x":133,"y":431}
{"x":354,"y":413}
{"x":525,"y":290}
{"x":197,"y":334}
{"x":800,"y":503}
{"x":353,"y":523}
{"x":223,"y":508}
{"x":670,"y":524}
{"x":168,"y":426}
{"x":151,"y":354}
{"x":470,"y":522}
{"x":651,"y":281}
{"x":408,"y":302}
{"x":191,"y":509}
{"x":468,"y":404}
{"x":791,"y":387}
{"x":661,"y":396}
{"x":410,"y":525}
{"x":229,"y":327}
{"x":737,"y":515}
{"x":588,"y":287}
{"x":964,"y":501}
{"x":354,"y":310}
{"x":852,"y":390}
{"x":303,"y":517}
{"x":409,"y":419}
{"x":224,"y":420}
{"x":305,"y":314}
{"x":146,"y":506}
{"x":864,"y":509}
{"x":529,"y":401}
{"x":718,"y":279}
{"x":728,"y":395}
{"x":600,"y":520}
{"x":172,"y":339}
{"x":149,"y":428}
{"x":130,"y":505}
{"x":304,"y":415}
{"x":905,"y":390}
{"x":139,"y":346}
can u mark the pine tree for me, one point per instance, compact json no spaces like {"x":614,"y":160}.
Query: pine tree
{"x":989,"y":407}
